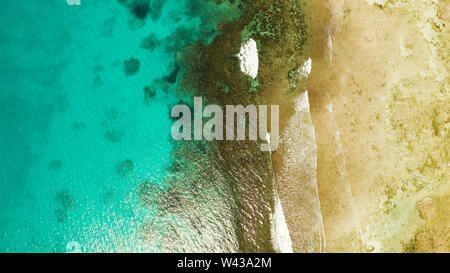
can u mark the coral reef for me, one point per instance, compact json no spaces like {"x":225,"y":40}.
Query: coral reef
{"x":131,"y":67}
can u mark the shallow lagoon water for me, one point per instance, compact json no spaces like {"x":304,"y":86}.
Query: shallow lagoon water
{"x":85,"y":119}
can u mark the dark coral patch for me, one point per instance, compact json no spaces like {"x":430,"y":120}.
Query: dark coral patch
{"x":113,"y":135}
{"x":55,"y":165}
{"x":131,"y":66}
{"x":112,"y":113}
{"x":65,"y":200}
{"x":140,"y":10}
{"x":61,"y":215}
{"x":172,"y":77}
{"x":149,"y":93}
{"x":108,"y":26}
{"x":98,"y":80}
{"x":156,"y":7}
{"x":125,"y":167}
{"x":150,"y":43}
{"x":78,"y":126}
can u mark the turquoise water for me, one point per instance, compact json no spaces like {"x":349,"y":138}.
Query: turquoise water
{"x":84,"y":114}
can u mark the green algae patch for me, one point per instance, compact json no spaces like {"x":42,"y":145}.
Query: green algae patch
{"x":254,"y":85}
{"x":265,"y":24}
{"x":286,"y":20}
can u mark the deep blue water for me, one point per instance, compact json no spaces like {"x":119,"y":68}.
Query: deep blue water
{"x":85,"y":93}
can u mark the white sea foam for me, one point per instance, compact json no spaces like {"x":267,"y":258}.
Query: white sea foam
{"x":280,"y":232}
{"x":249,"y":59}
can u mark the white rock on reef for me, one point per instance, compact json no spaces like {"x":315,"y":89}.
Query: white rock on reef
{"x":305,"y":70}
{"x":249,"y":59}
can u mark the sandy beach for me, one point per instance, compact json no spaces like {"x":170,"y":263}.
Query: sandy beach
{"x":379,"y":100}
